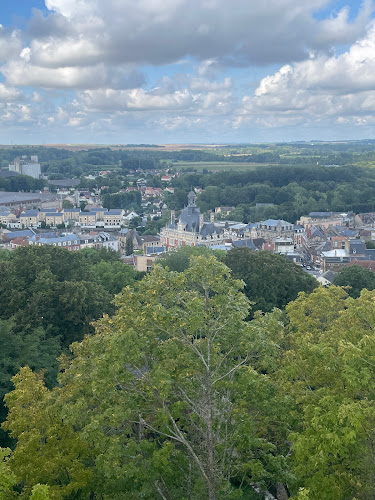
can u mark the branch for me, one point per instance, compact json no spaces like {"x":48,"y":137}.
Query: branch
{"x":231,"y":370}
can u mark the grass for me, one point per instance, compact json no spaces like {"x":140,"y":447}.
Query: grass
{"x":219,"y":165}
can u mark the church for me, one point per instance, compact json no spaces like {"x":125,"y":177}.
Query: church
{"x":191,"y":229}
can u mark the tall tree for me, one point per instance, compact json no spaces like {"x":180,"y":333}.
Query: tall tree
{"x":355,"y":278}
{"x":129,"y":247}
{"x":170,"y":396}
{"x":270,"y":280}
{"x":329,"y":368}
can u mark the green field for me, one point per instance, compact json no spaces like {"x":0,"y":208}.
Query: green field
{"x":219,"y":165}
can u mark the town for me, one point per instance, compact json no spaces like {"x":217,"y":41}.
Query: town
{"x":74,"y":218}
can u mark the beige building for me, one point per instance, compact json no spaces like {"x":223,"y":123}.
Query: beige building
{"x":7,"y":217}
{"x":54,"y":218}
{"x":113,"y":217}
{"x":71,"y":214}
{"x":144,"y":262}
{"x":87,"y":218}
{"x":30,"y":218}
{"x":271,"y":229}
{"x":190,"y":228}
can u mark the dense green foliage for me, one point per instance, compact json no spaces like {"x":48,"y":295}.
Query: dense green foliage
{"x":163,"y":402}
{"x":355,"y":278}
{"x":293,"y":191}
{"x":179,"y":259}
{"x":295,"y":178}
{"x":179,"y":396}
{"x":50,"y":297}
{"x":123,"y":200}
{"x":20,"y":183}
{"x":329,"y":370}
{"x":270,"y":279}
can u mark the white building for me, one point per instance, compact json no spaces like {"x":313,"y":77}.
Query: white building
{"x":23,"y":166}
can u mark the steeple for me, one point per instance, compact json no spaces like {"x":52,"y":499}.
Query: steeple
{"x":191,"y":199}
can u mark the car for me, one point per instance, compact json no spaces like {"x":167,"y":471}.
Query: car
{"x":308,"y":268}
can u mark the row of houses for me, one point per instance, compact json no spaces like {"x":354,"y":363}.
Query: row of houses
{"x":95,"y":217}
{"x":69,"y":241}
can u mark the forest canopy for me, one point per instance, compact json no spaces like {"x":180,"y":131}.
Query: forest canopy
{"x":179,"y":395}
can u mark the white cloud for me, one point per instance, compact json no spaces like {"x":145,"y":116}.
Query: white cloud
{"x":20,"y":73}
{"x":10,"y":43}
{"x":318,"y":89}
{"x":134,"y":100}
{"x":164,"y":31}
{"x":339,"y":30}
{"x":9,"y":94}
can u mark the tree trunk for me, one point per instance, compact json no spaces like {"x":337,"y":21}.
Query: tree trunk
{"x":282,"y":494}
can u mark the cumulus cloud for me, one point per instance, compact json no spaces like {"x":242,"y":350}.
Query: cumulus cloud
{"x":199,"y":96}
{"x":10,"y":43}
{"x":340,"y":88}
{"x":86,"y":63}
{"x":158,"y":32}
{"x":9,"y":94}
{"x":135,"y":99}
{"x":19,"y":72}
{"x":339,"y":30}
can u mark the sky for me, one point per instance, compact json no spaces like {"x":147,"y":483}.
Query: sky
{"x":186,"y":71}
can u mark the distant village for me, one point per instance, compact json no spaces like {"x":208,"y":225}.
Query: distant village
{"x":321,"y":242}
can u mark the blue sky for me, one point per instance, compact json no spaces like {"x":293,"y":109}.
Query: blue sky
{"x":186,"y":71}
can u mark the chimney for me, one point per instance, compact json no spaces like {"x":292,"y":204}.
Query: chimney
{"x":173,"y":216}
{"x":212,"y":217}
{"x":200,"y":222}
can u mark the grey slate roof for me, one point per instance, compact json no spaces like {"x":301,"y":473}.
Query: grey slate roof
{"x":98,"y":209}
{"x":244,"y":243}
{"x":27,"y":233}
{"x":64,"y":182}
{"x":209,"y":229}
{"x":275,"y":223}
{"x":30,"y":213}
{"x":329,"y":276}
{"x":320,"y":215}
{"x":114,"y":211}
{"x":190,"y":217}
{"x":8,"y":173}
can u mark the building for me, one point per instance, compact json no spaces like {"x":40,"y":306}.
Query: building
{"x":87,"y":218}
{"x":113,"y":218}
{"x":225,"y":211}
{"x":109,"y":241}
{"x":284,"y":245}
{"x":54,"y":218}
{"x":191,"y":229}
{"x":30,"y":218}
{"x":21,"y":165}
{"x":99,"y":212}
{"x":71,"y":214}
{"x":7,"y":217}
{"x":44,"y":211}
{"x":334,"y":260}
{"x":69,"y":241}
{"x":271,"y":229}
{"x":144,"y":262}
{"x":149,"y":243}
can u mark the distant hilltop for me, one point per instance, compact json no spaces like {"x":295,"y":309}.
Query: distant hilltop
{"x":86,"y":147}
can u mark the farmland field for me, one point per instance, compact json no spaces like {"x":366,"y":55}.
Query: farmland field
{"x":219,"y":165}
